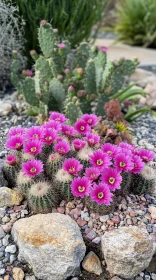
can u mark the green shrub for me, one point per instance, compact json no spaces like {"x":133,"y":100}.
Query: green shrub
{"x":136,"y":24}
{"x":74,"y":19}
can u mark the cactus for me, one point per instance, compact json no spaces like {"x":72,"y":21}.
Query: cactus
{"x":53,"y":163}
{"x":42,"y":197}
{"x":62,"y":183}
{"x":90,"y":76}
{"x":24,"y":183}
{"x":10,"y":172}
{"x":100,"y":209}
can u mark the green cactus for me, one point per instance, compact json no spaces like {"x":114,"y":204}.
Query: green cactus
{"x":100,"y":105}
{"x":24,"y":183}
{"x":116,"y":81}
{"x":90,"y":80}
{"x":42,"y":65}
{"x":73,"y":112}
{"x":100,"y":209}
{"x":57,"y":91}
{"x":53,"y":164}
{"x":15,"y":77}
{"x":10,"y":172}
{"x":46,"y":37}
{"x":128,"y":67}
{"x":29,"y":92}
{"x":82,"y":55}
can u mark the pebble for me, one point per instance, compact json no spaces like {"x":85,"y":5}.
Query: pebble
{"x":81,"y":223}
{"x":32,"y":277}
{"x":91,"y":235}
{"x":138,"y":278}
{"x":5,"y":240}
{"x":96,"y":240}
{"x":2,"y":233}
{"x":18,"y":273}
{"x":103,"y":227}
{"x":2,"y":271}
{"x":153,"y":275}
{"x":104,"y":219}
{"x":7,"y":227}
{"x":147,"y":277}
{"x":12,"y":258}
{"x":11,"y":249}
{"x":2,"y":212}
{"x":5,"y":219}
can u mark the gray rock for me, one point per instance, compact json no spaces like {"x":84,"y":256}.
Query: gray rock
{"x":12,"y":258}
{"x":2,"y":271}
{"x":2,"y":233}
{"x":2,"y":212}
{"x":51,"y":243}
{"x":153,"y":275}
{"x":5,"y":240}
{"x":1,"y":254}
{"x":30,"y":277}
{"x":104,"y":218}
{"x":147,"y":277}
{"x":11,"y":249}
{"x":138,"y":278}
{"x":127,"y":251}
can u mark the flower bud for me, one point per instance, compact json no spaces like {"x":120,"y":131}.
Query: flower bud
{"x":34,"y":54}
{"x":81,"y":93}
{"x":71,"y":91}
{"x":60,"y":77}
{"x":43,"y":22}
{"x":14,"y":54}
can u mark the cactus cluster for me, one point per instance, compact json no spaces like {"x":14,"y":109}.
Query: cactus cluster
{"x":57,"y":161}
{"x":69,"y":81}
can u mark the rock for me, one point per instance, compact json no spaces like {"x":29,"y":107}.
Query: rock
{"x":104,"y":218}
{"x":18,"y":273}
{"x":139,"y":75}
{"x":152,"y":265}
{"x":2,"y":212}
{"x":116,"y":278}
{"x":10,"y":249}
{"x":7,"y":227}
{"x":6,"y":277}
{"x":12,"y":258}
{"x":138,"y":278}
{"x":97,"y":240}
{"x":147,"y":277}
{"x":153,"y":275}
{"x":51,"y":243}
{"x":5,"y":240}
{"x":81,"y":223}
{"x":2,"y":271}
{"x":127,"y":250}
{"x":28,"y":277}
{"x":2,"y":233}
{"x":92,"y":264}
{"x":9,"y":197}
{"x":152,"y":210}
{"x":5,"y":108}
{"x":91,"y":235}
{"x":5,"y":219}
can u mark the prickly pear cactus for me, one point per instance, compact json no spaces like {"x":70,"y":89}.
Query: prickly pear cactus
{"x":46,"y":37}
{"x":29,"y":92}
{"x":90,"y":82}
{"x":57,"y":91}
{"x":73,"y":112}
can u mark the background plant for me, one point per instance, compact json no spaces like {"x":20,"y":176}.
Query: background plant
{"x":11,"y":37}
{"x":56,"y":161}
{"x":70,"y":84}
{"x":136,"y":24}
{"x":74,"y":19}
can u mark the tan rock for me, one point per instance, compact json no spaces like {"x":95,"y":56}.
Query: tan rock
{"x":140,"y":74}
{"x":51,"y":243}
{"x":9,"y":197}
{"x":18,"y":273}
{"x":92,"y":264}
{"x":152,"y":210}
{"x":127,"y":250}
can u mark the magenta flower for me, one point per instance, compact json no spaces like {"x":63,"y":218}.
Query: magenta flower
{"x":126,"y":146}
{"x":16,"y":131}
{"x":103,"y":49}
{"x":82,"y":127}
{"x":54,"y":125}
{"x":11,"y":159}
{"x":55,"y":116}
{"x":35,"y":132}
{"x":123,"y":162}
{"x":101,"y":194}
{"x":138,"y":164}
{"x":32,"y":168}
{"x":62,"y":147}
{"x":100,"y":160}
{"x":68,"y":130}
{"x":49,"y":136}
{"x":78,"y":144}
{"x":28,"y":73}
{"x":90,"y":119}
{"x":112,"y":178}
{"x":71,"y":88}
{"x":110,"y":149}
{"x":62,"y":46}
{"x":92,"y":139}
{"x":146,"y":155}
{"x":92,"y":173}
{"x":80,"y":187}
{"x":32,"y":147}
{"x":15,"y":143}
{"x":67,"y":70}
{"x":72,"y":166}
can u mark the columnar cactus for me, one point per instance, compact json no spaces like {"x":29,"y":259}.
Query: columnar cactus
{"x":89,"y":76}
{"x":57,"y":161}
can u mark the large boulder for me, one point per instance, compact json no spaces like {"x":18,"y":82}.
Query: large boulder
{"x":52,"y":244}
{"x":127,"y":250}
{"x":9,"y":197}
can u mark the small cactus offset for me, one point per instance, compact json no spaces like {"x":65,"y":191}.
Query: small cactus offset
{"x":57,"y":161}
{"x":61,"y":74}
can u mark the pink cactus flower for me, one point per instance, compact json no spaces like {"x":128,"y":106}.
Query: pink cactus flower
{"x":16,"y":131}
{"x":78,"y":144}
{"x":92,"y":139}
{"x":100,"y":160}
{"x":35,"y":132}
{"x":80,"y":187}
{"x":123,"y":162}
{"x":54,"y":125}
{"x":11,"y":160}
{"x":112,"y":178}
{"x":126,"y":146}
{"x":15,"y":143}
{"x":110,"y":149}
{"x":32,"y":147}
{"x":72,"y":166}
{"x":71,"y":88}
{"x":62,"y":46}
{"x":62,"y":147}
{"x":29,"y":73}
{"x":101,"y":194}
{"x":32,"y":168}
{"x":58,"y":117}
{"x":49,"y":136}
{"x":68,"y":130}
{"x":82,"y":127}
{"x":138,"y":164}
{"x":67,"y":70}
{"x":146,"y":155}
{"x":90,"y":119}
{"x":92,"y":173}
{"x":103,"y":49}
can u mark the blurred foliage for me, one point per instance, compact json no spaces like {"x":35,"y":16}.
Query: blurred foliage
{"x":73,"y":18}
{"x":136,"y":22}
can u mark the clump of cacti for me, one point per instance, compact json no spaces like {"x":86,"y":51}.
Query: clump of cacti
{"x":70,"y":85}
{"x":57,"y":161}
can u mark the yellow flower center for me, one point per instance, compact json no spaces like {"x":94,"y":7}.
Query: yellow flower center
{"x":122,"y":164}
{"x":91,"y":140}
{"x":99,"y":162}
{"x":48,"y":138}
{"x":109,"y":152}
{"x":100,"y":195}
{"x":17,"y":134}
{"x":92,"y":176}
{"x":82,"y":128}
{"x":33,"y":169}
{"x":35,"y":135}
{"x":72,"y":169}
{"x":90,"y":121}
{"x":57,"y":119}
{"x":67,"y":132}
{"x":17,"y":145}
{"x":33,"y":149}
{"x":111,"y":180}
{"x":81,"y":189}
